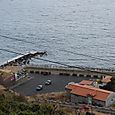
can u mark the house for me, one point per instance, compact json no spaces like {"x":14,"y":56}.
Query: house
{"x":6,"y":77}
{"x":10,"y":74}
{"x":18,"y":71}
{"x":86,"y":82}
{"x":84,"y":94}
{"x":89,"y":82}
{"x":106,"y":80}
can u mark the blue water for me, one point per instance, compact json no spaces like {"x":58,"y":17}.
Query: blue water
{"x":74,"y":32}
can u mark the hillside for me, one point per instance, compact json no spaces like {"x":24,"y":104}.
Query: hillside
{"x":14,"y":104}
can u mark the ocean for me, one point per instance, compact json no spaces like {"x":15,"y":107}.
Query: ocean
{"x":73,"y":32}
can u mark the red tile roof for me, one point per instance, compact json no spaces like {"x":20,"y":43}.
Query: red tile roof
{"x":85,"y":90}
{"x":107,"y":79}
{"x":86,"y":82}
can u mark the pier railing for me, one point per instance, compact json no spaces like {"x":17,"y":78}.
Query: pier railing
{"x":49,"y":66}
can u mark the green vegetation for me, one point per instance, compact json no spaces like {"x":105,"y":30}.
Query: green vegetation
{"x":12,"y":104}
{"x":113,"y":104}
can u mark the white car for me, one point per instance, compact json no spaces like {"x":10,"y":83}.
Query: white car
{"x":48,"y":82}
{"x":39,"y":87}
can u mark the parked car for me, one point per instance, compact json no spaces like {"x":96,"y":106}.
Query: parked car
{"x":39,"y":87}
{"x":48,"y":82}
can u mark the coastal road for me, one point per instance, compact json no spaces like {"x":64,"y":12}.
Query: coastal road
{"x":58,"y":83}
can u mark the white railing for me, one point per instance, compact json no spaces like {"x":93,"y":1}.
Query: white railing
{"x":50,"y":66}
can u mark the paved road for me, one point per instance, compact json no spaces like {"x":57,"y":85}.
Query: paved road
{"x":58,"y":83}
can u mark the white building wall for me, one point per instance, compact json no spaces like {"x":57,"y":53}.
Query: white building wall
{"x":111,"y":99}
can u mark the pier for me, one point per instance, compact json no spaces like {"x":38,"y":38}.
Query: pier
{"x":22,"y":59}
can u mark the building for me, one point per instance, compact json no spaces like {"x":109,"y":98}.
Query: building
{"x":10,"y":74}
{"x":84,"y":94}
{"x":18,"y":71}
{"x":86,"y":82}
{"x":6,"y":77}
{"x":106,"y":80}
{"x":93,"y":83}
